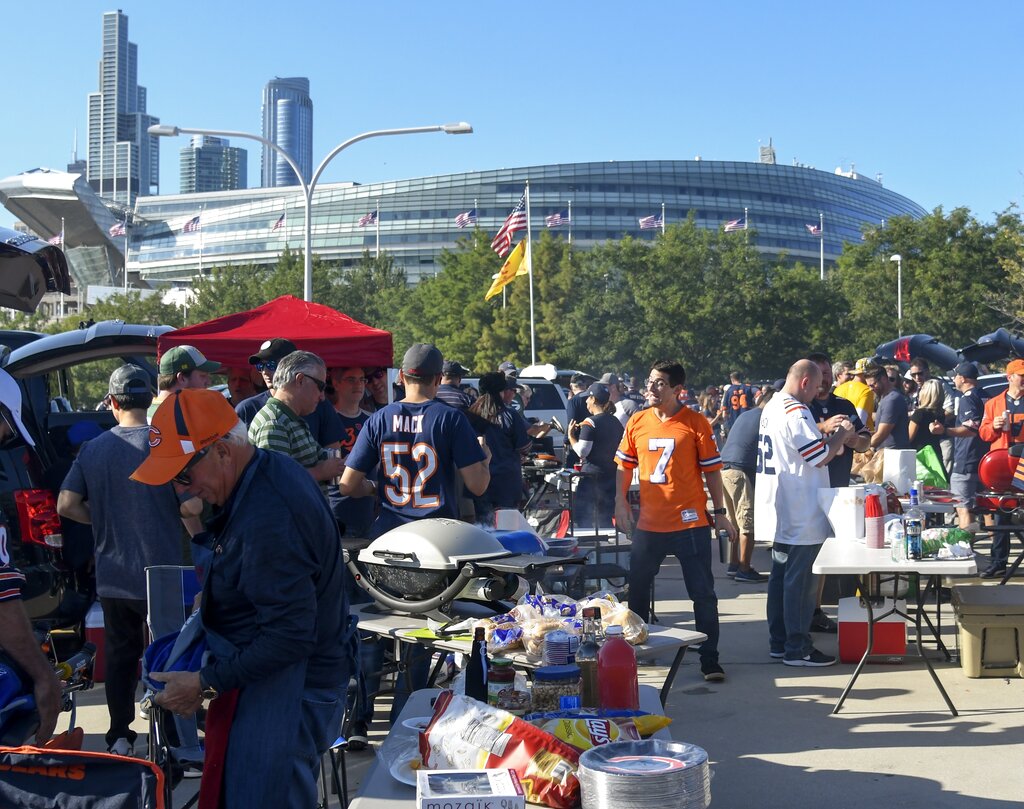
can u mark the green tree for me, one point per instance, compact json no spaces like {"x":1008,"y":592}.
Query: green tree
{"x":375,"y":292}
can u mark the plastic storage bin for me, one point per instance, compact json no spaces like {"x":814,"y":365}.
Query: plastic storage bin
{"x":991,"y":621}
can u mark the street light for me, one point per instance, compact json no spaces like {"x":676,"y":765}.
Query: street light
{"x":899,"y":292}
{"x":167,"y":130}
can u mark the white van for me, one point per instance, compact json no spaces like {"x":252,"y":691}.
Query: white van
{"x":548,"y":402}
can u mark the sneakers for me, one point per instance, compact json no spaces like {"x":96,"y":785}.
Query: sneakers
{"x":815,"y":658}
{"x":750,"y":576}
{"x":712,"y":672}
{"x":776,"y":654}
{"x":359,"y":737}
{"x":122,"y":747}
{"x":732,"y":570}
{"x":820,"y":622}
{"x":993,"y":570}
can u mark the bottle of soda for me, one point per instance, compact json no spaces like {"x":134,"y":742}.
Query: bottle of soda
{"x":913,"y":523}
{"x":476,"y":668}
{"x":586,"y":659}
{"x":616,"y":672}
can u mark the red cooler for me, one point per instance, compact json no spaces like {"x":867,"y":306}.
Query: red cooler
{"x":890,"y":632}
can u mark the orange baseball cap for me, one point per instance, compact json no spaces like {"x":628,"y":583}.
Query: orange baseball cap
{"x":185,"y":423}
{"x":1015,"y":367}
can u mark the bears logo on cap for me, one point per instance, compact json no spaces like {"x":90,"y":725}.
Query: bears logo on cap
{"x":154,"y":436}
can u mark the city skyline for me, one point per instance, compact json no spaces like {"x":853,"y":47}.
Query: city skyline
{"x":833,"y":88}
{"x":287,"y":114}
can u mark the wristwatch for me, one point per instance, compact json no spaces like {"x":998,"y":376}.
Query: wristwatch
{"x":206,"y":690}
{"x":719,"y":512}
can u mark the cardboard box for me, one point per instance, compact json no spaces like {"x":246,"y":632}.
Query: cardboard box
{"x":991,"y":621}
{"x":469,"y":789}
{"x":890,"y":632}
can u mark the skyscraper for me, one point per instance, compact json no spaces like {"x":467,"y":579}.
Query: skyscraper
{"x":212,"y":164}
{"x":123,"y":159}
{"x":288,"y":122}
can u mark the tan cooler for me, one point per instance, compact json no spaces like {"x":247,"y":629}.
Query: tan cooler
{"x":991,"y":620}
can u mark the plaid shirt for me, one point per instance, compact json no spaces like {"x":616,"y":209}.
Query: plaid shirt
{"x":277,"y":428}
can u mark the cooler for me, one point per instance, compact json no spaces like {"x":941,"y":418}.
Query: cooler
{"x":991,"y":621}
{"x":890,"y":632}
{"x":94,"y":634}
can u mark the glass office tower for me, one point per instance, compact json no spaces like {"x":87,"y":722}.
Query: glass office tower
{"x":212,"y":164}
{"x":288,"y":122}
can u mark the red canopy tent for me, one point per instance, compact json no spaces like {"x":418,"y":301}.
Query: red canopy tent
{"x":335,"y":337}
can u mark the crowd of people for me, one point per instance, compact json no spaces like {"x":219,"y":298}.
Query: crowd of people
{"x":267,"y":482}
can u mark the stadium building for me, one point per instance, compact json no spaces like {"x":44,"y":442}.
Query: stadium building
{"x":172,"y":238}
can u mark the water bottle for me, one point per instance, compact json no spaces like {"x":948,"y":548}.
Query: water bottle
{"x":913,"y":523}
{"x":898,"y":545}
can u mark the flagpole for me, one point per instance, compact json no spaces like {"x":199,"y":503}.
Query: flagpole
{"x":821,"y":241}
{"x":200,"y":227}
{"x":570,"y":223}
{"x":746,"y":219}
{"x":529,"y":259}
{"x":62,"y":240}
{"x":376,"y":220}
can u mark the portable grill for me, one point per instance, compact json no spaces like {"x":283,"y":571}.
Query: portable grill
{"x":995,"y":472}
{"x":425,"y":567}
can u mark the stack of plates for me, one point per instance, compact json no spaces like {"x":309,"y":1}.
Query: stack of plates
{"x":646,"y":774}
{"x":560,"y":648}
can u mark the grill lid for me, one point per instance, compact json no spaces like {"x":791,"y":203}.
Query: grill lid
{"x":434,"y":544}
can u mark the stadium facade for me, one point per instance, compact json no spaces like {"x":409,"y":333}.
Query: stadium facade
{"x":417,"y":216}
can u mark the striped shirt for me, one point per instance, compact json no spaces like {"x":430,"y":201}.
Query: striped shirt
{"x":277,"y":428}
{"x":789,"y":449}
{"x":11,"y":580}
{"x":671,"y":456}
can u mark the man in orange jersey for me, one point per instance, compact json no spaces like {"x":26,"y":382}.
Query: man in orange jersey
{"x":674,"y":452}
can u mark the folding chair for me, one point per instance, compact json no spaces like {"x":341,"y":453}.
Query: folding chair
{"x":174,"y":744}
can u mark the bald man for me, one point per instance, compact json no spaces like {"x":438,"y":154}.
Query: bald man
{"x":792,"y":457}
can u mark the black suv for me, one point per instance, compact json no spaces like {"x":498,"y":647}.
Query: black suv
{"x":61,"y":379}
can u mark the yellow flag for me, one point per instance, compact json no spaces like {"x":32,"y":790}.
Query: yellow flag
{"x":508,"y":270}
{"x":524,"y":268}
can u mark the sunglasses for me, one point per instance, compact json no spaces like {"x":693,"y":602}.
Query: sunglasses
{"x":378,"y":374}
{"x":320,"y":383}
{"x":268,"y":365}
{"x":183,"y":478}
{"x":917,"y":373}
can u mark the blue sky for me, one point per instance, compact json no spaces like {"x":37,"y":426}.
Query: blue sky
{"x":926,"y":94}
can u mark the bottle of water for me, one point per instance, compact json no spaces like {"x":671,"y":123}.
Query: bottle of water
{"x":898,"y":544}
{"x":913,"y":523}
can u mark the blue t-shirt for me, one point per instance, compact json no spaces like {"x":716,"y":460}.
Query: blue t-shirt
{"x":355,"y":513}
{"x":892,"y":409}
{"x":454,"y":396}
{"x":323,"y":422}
{"x":740,"y":448}
{"x":417,"y":448}
{"x":968,"y":451}
{"x":605,"y":431}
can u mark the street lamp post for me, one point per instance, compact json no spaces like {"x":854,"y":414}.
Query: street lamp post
{"x":167,"y":130}
{"x":899,"y":292}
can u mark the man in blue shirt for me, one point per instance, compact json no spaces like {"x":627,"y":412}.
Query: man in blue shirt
{"x":738,"y":398}
{"x":968,"y":448}
{"x":739,"y":465}
{"x":450,"y":391}
{"x":892,"y":421}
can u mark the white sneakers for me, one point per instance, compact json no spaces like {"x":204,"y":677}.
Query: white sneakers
{"x":122,"y":747}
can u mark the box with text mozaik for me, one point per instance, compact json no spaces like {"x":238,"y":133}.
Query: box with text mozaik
{"x":469,"y":789}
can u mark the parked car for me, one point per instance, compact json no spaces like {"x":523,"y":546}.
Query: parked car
{"x":62,"y":379}
{"x":560,"y":376}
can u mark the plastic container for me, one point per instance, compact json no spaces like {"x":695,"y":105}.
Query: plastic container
{"x":553,"y":684}
{"x":500,"y":676}
{"x":991,"y":637}
{"x":616,"y":672}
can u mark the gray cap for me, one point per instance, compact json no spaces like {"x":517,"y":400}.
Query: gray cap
{"x":509,"y":368}
{"x":422,"y":360}
{"x":609,"y":379}
{"x":129,"y":379}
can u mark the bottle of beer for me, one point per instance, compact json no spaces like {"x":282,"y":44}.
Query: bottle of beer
{"x":586,"y":659}
{"x":476,"y":668}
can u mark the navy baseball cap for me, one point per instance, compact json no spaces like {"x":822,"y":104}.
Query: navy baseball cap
{"x":966,"y":369}
{"x":422,"y":360}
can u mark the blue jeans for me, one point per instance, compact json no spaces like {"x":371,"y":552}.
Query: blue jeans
{"x":792,"y":593}
{"x":692,"y":547}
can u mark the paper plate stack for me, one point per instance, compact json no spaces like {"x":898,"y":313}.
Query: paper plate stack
{"x":649,"y":774}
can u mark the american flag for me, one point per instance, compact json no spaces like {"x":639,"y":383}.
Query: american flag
{"x":58,"y":239}
{"x":516,"y":220}
{"x":556,"y":220}
{"x":118,"y":228}
{"x":736,"y":224}
{"x":368,"y":219}
{"x":279,"y":223}
{"x":814,"y":230}
{"x":192,"y":225}
{"x":466,"y":219}
{"x":650,"y":222}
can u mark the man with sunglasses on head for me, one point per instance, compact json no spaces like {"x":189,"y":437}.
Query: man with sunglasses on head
{"x":135,"y":526}
{"x":273,"y":606}
{"x":675,"y":452}
{"x":298,"y":389}
{"x":323,"y":422}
